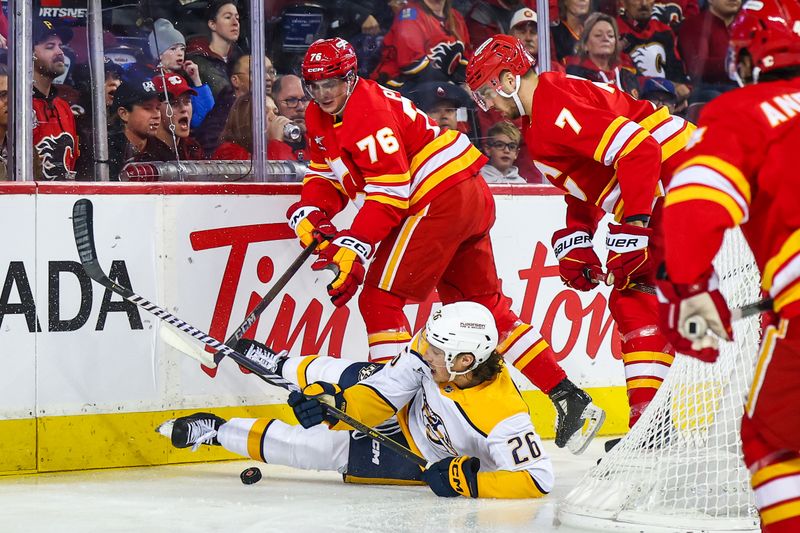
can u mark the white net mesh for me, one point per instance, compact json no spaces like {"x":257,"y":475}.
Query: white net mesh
{"x":680,"y":467}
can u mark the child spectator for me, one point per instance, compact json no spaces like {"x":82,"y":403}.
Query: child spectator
{"x":703,"y":43}
{"x":651,"y":44}
{"x":426,"y":42}
{"x":599,"y":57}
{"x":567,"y":32}
{"x":168,"y":47}
{"x":442,"y":102}
{"x":661,"y":92}
{"x":214,"y":53}
{"x":137,"y":107}
{"x":55,"y":135}
{"x":502,"y":147}
{"x":176,"y":116}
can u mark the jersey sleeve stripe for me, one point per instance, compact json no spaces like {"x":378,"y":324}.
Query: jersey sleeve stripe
{"x":255,"y":438}
{"x":733,"y":174}
{"x":643,"y":383}
{"x":465,"y":160}
{"x":649,"y":357}
{"x":442,"y":141}
{"x":516,"y":334}
{"x":710,"y":177}
{"x":630,"y":145}
{"x":319,"y":167}
{"x":401,"y":192}
{"x":787,"y":296}
{"x":388,"y":336}
{"x":783,"y":267}
{"x":655,"y":119}
{"x":605,"y":141}
{"x":704,"y":193}
{"x":302,"y":378}
{"x":672,"y":134}
{"x":771,"y":472}
{"x":391,"y":179}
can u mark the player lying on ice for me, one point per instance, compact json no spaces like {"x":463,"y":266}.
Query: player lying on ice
{"x":454,"y":401}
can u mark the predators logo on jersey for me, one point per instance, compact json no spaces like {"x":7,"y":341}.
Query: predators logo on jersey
{"x":435,"y":429}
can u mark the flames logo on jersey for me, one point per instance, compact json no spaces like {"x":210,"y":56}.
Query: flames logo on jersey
{"x":671,"y":14}
{"x":55,"y":152}
{"x":650,"y":59}
{"x":435,"y":428}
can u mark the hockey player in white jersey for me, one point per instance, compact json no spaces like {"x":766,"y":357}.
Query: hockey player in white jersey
{"x":449,"y":392}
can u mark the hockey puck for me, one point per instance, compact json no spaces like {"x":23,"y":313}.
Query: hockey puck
{"x":250,"y":475}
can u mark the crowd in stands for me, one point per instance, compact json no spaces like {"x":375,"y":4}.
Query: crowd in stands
{"x":185,"y":93}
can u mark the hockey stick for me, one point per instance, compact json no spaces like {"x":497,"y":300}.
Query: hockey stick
{"x":82,"y":226}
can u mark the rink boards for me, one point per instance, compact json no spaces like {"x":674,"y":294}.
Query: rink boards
{"x":86,"y":376}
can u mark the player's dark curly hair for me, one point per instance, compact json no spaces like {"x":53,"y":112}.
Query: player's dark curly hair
{"x":489,"y":369}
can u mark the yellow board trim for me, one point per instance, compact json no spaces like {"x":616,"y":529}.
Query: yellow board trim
{"x":701,"y":192}
{"x":789,"y":248}
{"x":610,"y":131}
{"x":84,"y":442}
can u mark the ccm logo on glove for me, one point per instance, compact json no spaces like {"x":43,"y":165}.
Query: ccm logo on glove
{"x":363,"y":249}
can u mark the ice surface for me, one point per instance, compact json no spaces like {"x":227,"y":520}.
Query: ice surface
{"x":209,"y":497}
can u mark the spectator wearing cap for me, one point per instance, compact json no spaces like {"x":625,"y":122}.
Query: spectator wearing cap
{"x":502,"y":148}
{"x":443,"y":102}
{"x":661,"y":92}
{"x":55,"y":136}
{"x":486,"y":18}
{"x":600,"y":58}
{"x":168,"y":48}
{"x":176,"y":117}
{"x":137,"y":107}
{"x":567,"y":32}
{"x":703,"y":43}
{"x":525,"y":27}
{"x":212,"y":54}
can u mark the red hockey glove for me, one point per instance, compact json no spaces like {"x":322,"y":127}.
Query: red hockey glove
{"x":628,"y":255}
{"x":578,"y":265}
{"x":311,"y":223}
{"x":688,"y":312}
{"x":346,"y":257}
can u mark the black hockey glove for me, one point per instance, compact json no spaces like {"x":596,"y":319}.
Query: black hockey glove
{"x":310,"y":406}
{"x":454,"y":476}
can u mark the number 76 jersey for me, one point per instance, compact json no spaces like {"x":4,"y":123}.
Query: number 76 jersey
{"x":601,"y":145}
{"x":385,"y":155}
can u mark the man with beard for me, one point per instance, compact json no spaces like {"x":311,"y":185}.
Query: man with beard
{"x":174,"y":129}
{"x":55,"y":136}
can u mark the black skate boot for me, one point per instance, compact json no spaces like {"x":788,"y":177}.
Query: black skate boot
{"x":271,"y":360}
{"x":192,"y":430}
{"x":577,"y":419}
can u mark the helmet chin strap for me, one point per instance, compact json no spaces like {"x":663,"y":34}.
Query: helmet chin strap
{"x":514,"y":95}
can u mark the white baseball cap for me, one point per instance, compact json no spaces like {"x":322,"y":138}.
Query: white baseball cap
{"x":525,"y":14}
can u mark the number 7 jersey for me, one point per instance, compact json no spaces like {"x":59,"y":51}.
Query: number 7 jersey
{"x":385,"y":155}
{"x":601,"y":145}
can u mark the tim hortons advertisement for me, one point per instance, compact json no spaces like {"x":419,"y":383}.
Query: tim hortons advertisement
{"x":71,"y":346}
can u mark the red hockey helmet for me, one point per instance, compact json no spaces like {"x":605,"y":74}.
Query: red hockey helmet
{"x":769,"y":30}
{"x":329,"y":58}
{"x":496,"y":54}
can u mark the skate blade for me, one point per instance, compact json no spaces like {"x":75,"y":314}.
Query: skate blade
{"x":593,"y":418}
{"x":165,"y":428}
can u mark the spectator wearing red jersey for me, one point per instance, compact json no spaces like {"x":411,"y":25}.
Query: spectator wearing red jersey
{"x":652,"y":46}
{"x":567,"y":32}
{"x":176,"y":116}
{"x":427,"y":42}
{"x":55,"y":135}
{"x":703,"y":42}
{"x":237,"y":137}
{"x":599,"y":57}
{"x":674,"y":12}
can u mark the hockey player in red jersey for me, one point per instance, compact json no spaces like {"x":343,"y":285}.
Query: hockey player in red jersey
{"x":424,"y":215}
{"x":605,"y":149}
{"x":738,"y":170}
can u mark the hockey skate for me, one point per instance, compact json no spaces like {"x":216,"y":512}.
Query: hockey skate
{"x":271,"y":360}
{"x":192,"y":430}
{"x":577,"y":419}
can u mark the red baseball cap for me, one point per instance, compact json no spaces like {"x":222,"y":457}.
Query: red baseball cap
{"x":176,"y":85}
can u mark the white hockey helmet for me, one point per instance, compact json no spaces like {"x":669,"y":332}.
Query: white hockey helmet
{"x":462,"y":327}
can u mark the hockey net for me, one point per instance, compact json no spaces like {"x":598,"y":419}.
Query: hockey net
{"x":680,"y":467}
